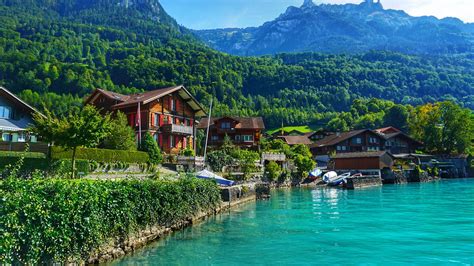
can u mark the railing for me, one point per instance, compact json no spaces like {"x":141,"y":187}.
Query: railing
{"x":191,"y":160}
{"x":279,"y":157}
{"x":20,"y":146}
{"x":177,"y":129}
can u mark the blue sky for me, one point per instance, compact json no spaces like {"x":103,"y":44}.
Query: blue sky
{"x":209,"y":14}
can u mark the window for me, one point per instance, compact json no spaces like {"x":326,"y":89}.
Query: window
{"x":247,"y":138}
{"x":5,"y":112}
{"x":173,"y":105}
{"x":156,"y":119}
{"x":22,"y":137}
{"x":225,"y":125}
{"x":6,"y":137}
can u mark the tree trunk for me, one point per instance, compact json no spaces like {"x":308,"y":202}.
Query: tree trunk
{"x":73,"y":163}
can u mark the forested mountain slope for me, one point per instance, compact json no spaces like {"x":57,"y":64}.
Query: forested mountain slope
{"x":60,"y":51}
{"x":347,"y":28}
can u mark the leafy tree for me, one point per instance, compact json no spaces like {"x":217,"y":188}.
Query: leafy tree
{"x":273,"y":171}
{"x":122,"y":136}
{"x":150,"y":146}
{"x":443,"y":127}
{"x":84,"y":128}
{"x":397,"y":116}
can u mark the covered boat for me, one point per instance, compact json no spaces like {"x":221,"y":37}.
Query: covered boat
{"x":205,"y":174}
{"x":332,"y":179}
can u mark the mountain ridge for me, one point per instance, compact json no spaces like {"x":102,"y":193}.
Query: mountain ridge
{"x":346,"y":28}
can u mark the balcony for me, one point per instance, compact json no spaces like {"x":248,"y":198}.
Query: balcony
{"x":177,"y":129}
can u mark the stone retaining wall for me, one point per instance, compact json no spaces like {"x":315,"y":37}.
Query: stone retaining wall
{"x":363,"y":182}
{"x":117,"y":248}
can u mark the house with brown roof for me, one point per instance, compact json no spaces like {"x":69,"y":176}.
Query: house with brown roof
{"x":397,"y":142}
{"x":168,"y":114}
{"x":16,"y":117}
{"x":351,"y":141}
{"x":243,"y":131}
{"x":295,"y":140}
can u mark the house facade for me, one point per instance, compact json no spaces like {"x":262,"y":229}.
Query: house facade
{"x":168,"y":114}
{"x":397,"y":142}
{"x":15,"y":118}
{"x":245,"y":132}
{"x":345,"y":142}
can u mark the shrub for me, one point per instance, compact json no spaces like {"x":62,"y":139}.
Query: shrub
{"x":53,"y":220}
{"x":150,"y":146}
{"x":122,"y":136}
{"x":273,"y":170}
{"x":102,"y":155}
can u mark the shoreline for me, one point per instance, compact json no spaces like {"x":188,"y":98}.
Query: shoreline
{"x":119,"y":248}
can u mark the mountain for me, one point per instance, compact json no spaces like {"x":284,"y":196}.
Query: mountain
{"x":347,"y":28}
{"x":55,"y":52}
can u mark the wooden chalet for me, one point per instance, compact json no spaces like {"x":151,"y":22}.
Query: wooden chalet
{"x":364,"y":140}
{"x":397,"y":142}
{"x":16,"y":117}
{"x":168,"y":114}
{"x":295,"y":140}
{"x":243,"y":131}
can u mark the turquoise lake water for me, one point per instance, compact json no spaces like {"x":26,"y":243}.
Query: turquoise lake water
{"x":427,"y":224}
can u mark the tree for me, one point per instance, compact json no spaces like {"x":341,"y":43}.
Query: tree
{"x":150,"y":146}
{"x":122,"y":136}
{"x":397,"y":116}
{"x":273,"y":170}
{"x":443,"y":127}
{"x":84,"y":128}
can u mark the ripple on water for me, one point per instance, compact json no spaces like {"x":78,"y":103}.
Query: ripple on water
{"x":430,"y":223}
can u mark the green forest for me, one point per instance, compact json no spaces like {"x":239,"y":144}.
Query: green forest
{"x":53,"y":58}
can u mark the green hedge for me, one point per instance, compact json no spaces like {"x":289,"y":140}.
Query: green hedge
{"x":24,"y":154}
{"x":102,"y":155}
{"x":52,"y":220}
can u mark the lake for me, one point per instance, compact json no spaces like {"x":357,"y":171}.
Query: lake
{"x":430,"y":223}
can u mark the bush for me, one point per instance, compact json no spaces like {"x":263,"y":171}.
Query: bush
{"x":101,"y":155}
{"x":273,"y":171}
{"x":53,"y":220}
{"x":150,"y":146}
{"x":15,"y":154}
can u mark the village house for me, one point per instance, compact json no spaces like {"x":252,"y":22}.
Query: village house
{"x":245,"y":132}
{"x":345,"y":142}
{"x":296,"y":140}
{"x":16,"y":117}
{"x":397,"y":142}
{"x":168,"y":114}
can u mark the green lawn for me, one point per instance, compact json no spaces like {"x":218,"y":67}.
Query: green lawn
{"x":302,"y":129}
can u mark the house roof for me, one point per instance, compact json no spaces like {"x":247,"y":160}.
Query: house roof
{"x":242,"y":122}
{"x":19,"y":101}
{"x":398,"y":134}
{"x":295,"y":140}
{"x":337,"y":138}
{"x":149,"y":96}
{"x":353,"y":155}
{"x":387,"y":129}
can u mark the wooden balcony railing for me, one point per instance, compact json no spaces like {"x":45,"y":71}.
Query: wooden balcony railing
{"x":177,"y":129}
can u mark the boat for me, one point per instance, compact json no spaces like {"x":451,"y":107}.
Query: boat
{"x":315,"y":174}
{"x":205,"y":174}
{"x":332,"y":179}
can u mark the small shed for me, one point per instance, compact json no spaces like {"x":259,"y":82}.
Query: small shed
{"x":362,"y":160}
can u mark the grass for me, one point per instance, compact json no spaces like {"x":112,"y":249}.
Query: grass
{"x":301,"y":129}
